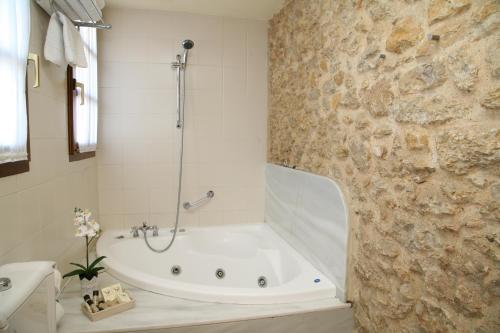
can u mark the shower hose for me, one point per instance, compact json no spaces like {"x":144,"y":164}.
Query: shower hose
{"x":181,"y":83}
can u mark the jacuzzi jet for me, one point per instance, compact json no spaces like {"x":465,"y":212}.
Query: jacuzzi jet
{"x":176,"y":270}
{"x":262,"y":282}
{"x":219,"y":273}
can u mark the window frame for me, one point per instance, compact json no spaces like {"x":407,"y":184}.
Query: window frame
{"x":73,"y":149}
{"x":18,"y":167}
{"x":21,"y":166}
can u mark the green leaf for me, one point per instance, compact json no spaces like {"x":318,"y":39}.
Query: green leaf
{"x":78,"y":265}
{"x":97,"y":269}
{"x":95,"y":262}
{"x":73,"y":273}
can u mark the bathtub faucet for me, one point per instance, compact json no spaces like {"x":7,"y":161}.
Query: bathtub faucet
{"x":145,"y":227}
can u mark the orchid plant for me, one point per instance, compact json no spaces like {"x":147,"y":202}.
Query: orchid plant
{"x":88,"y":228}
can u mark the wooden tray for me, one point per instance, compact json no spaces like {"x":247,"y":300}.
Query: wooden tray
{"x":111,"y":311}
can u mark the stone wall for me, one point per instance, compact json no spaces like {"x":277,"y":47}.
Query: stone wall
{"x":409,"y":124}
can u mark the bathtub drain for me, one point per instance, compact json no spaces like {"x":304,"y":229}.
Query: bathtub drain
{"x":219,"y":273}
{"x":176,"y":270}
{"x":262,"y":282}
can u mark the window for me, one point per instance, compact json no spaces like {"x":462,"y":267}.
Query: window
{"x":82,"y":101}
{"x":14,"y":44}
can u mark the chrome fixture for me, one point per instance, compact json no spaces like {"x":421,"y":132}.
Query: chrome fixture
{"x":176,"y":270}
{"x":188,"y":205}
{"x":219,"y":273}
{"x":187,"y":44}
{"x":102,"y":26}
{"x":5,"y":284}
{"x":262,"y":282}
{"x":134,"y":231}
{"x":145,"y":228}
{"x":180,"y":67}
{"x":180,"y":230}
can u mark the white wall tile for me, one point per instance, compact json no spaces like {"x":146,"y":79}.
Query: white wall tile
{"x":110,"y":201}
{"x":8,"y":185}
{"x":162,"y":176}
{"x":163,"y":220}
{"x":136,"y":176}
{"x":206,"y":52}
{"x":210,"y":218}
{"x":137,"y":151}
{"x":111,"y":126}
{"x":10,"y":236}
{"x":110,"y":150}
{"x":136,"y":75}
{"x":134,"y":219}
{"x":37,"y":206}
{"x":112,"y":221}
{"x":207,"y":78}
{"x":136,"y":201}
{"x":223,"y":148}
{"x":110,"y":177}
{"x":161,"y":201}
{"x":235,"y":42}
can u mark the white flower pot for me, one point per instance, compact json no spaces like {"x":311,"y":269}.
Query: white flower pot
{"x":88,"y":287}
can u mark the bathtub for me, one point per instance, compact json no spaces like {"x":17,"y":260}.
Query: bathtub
{"x":241,"y":264}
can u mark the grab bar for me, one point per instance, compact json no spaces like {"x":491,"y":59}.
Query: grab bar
{"x":188,"y":205}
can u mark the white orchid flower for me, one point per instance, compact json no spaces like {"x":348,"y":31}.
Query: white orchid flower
{"x":86,"y":227}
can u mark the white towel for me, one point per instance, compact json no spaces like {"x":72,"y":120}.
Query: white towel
{"x":54,"y":44}
{"x":73,"y":44}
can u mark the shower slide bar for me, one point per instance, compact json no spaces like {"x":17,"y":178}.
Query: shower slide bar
{"x":188,"y":205}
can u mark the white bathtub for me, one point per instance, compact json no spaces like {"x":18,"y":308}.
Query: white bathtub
{"x":244,"y":252}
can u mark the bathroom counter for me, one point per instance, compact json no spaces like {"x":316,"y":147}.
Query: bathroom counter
{"x":159,"y":312}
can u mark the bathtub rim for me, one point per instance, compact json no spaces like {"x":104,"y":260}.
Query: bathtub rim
{"x":198,"y":292}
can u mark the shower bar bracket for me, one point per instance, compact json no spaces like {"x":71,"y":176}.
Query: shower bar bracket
{"x":188,"y":205}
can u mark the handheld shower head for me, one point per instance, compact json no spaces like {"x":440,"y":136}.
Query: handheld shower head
{"x":187,"y":44}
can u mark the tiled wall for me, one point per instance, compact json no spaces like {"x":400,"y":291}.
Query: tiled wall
{"x":226,"y":111}
{"x":36,"y":208}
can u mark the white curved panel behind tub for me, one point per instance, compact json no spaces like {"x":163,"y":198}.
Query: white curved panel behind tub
{"x":309,"y":212}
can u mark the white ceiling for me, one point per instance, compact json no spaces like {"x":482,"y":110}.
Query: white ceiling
{"x":251,"y":9}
